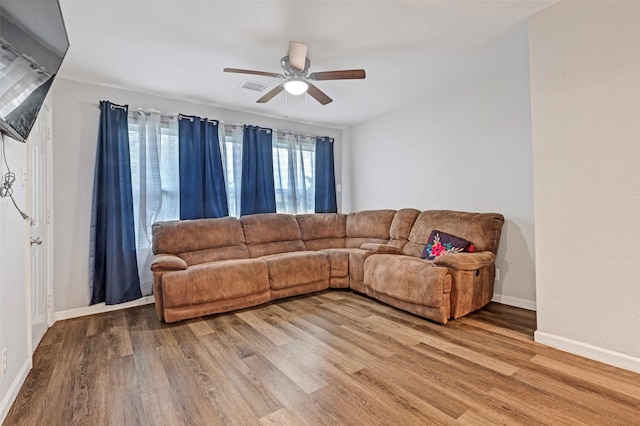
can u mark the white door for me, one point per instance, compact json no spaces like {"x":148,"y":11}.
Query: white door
{"x":37,"y":144}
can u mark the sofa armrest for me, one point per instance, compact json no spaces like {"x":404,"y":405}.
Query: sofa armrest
{"x":380,"y":248}
{"x":466,"y":261}
{"x":167,"y":262}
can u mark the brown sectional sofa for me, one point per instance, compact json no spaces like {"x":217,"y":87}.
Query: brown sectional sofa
{"x":208,"y":266}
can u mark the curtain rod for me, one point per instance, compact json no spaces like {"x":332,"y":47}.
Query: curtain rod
{"x":171,"y":114}
{"x":190,"y":117}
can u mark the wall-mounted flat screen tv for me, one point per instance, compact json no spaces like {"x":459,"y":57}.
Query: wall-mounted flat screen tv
{"x":33,"y":42}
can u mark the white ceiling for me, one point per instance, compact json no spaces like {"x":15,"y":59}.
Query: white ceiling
{"x":178,"y":49}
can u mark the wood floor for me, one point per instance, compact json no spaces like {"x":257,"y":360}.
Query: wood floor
{"x":329,"y":358}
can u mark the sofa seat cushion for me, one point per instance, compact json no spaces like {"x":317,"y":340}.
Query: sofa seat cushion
{"x":339,"y":267}
{"x":338,"y":262}
{"x":356,"y":263}
{"x":212,"y":282}
{"x":347,"y":262}
{"x":347,"y":267}
{"x":297,"y":268}
{"x":408,"y":279}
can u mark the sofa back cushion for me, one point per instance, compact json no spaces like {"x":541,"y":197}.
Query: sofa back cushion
{"x":322,"y":230}
{"x":482,"y":229}
{"x":271,"y":233}
{"x":201,"y":240}
{"x":368,"y":226}
{"x":401,"y":226}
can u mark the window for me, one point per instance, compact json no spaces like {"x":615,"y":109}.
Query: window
{"x":293,"y":169}
{"x":153,"y":141}
{"x":294,"y":172}
{"x":153,"y":145}
{"x":231,"y":151}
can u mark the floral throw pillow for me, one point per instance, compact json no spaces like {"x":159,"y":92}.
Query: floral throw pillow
{"x":440,"y":243}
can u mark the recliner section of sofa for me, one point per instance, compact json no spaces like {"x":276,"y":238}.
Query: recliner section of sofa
{"x":208,"y":266}
{"x":400,"y":281}
{"x":472,"y":284}
{"x":471,"y":274}
{"x":204,"y":269}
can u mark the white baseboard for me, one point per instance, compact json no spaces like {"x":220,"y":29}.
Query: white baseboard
{"x":617,"y":359}
{"x":100,"y":308}
{"x":15,"y":387}
{"x":514,"y":301}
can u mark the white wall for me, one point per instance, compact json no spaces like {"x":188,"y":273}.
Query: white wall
{"x":75,"y":124}
{"x":585,"y":90}
{"x":13,"y":278}
{"x":467,"y":148}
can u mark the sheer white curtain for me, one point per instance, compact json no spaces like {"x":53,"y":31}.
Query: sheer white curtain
{"x":230,"y":136}
{"x":153,"y":143}
{"x":294,"y":174}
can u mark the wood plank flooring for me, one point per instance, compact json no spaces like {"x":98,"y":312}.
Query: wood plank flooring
{"x":329,"y":358}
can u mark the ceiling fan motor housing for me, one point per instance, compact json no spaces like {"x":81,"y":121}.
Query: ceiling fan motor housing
{"x":289,"y":71}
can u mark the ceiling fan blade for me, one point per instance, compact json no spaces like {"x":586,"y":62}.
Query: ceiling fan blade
{"x":338,"y":75}
{"x":297,"y":55}
{"x":318,"y":95}
{"x":241,"y":71}
{"x":273,"y":92}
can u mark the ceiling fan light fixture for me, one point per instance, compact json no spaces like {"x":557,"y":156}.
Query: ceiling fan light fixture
{"x":296,"y":86}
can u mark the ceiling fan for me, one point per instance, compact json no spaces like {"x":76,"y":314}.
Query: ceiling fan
{"x":295,"y":67}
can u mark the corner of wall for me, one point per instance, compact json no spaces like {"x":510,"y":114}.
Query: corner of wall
{"x":617,"y":359}
{"x":14,"y":330}
{"x":346,"y":172}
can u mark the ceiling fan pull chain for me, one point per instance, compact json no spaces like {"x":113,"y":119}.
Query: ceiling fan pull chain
{"x":306,"y":107}
{"x":286,"y":104}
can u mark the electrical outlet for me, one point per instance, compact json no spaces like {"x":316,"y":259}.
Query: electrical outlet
{"x":4,"y":361}
{"x":497,"y":274}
